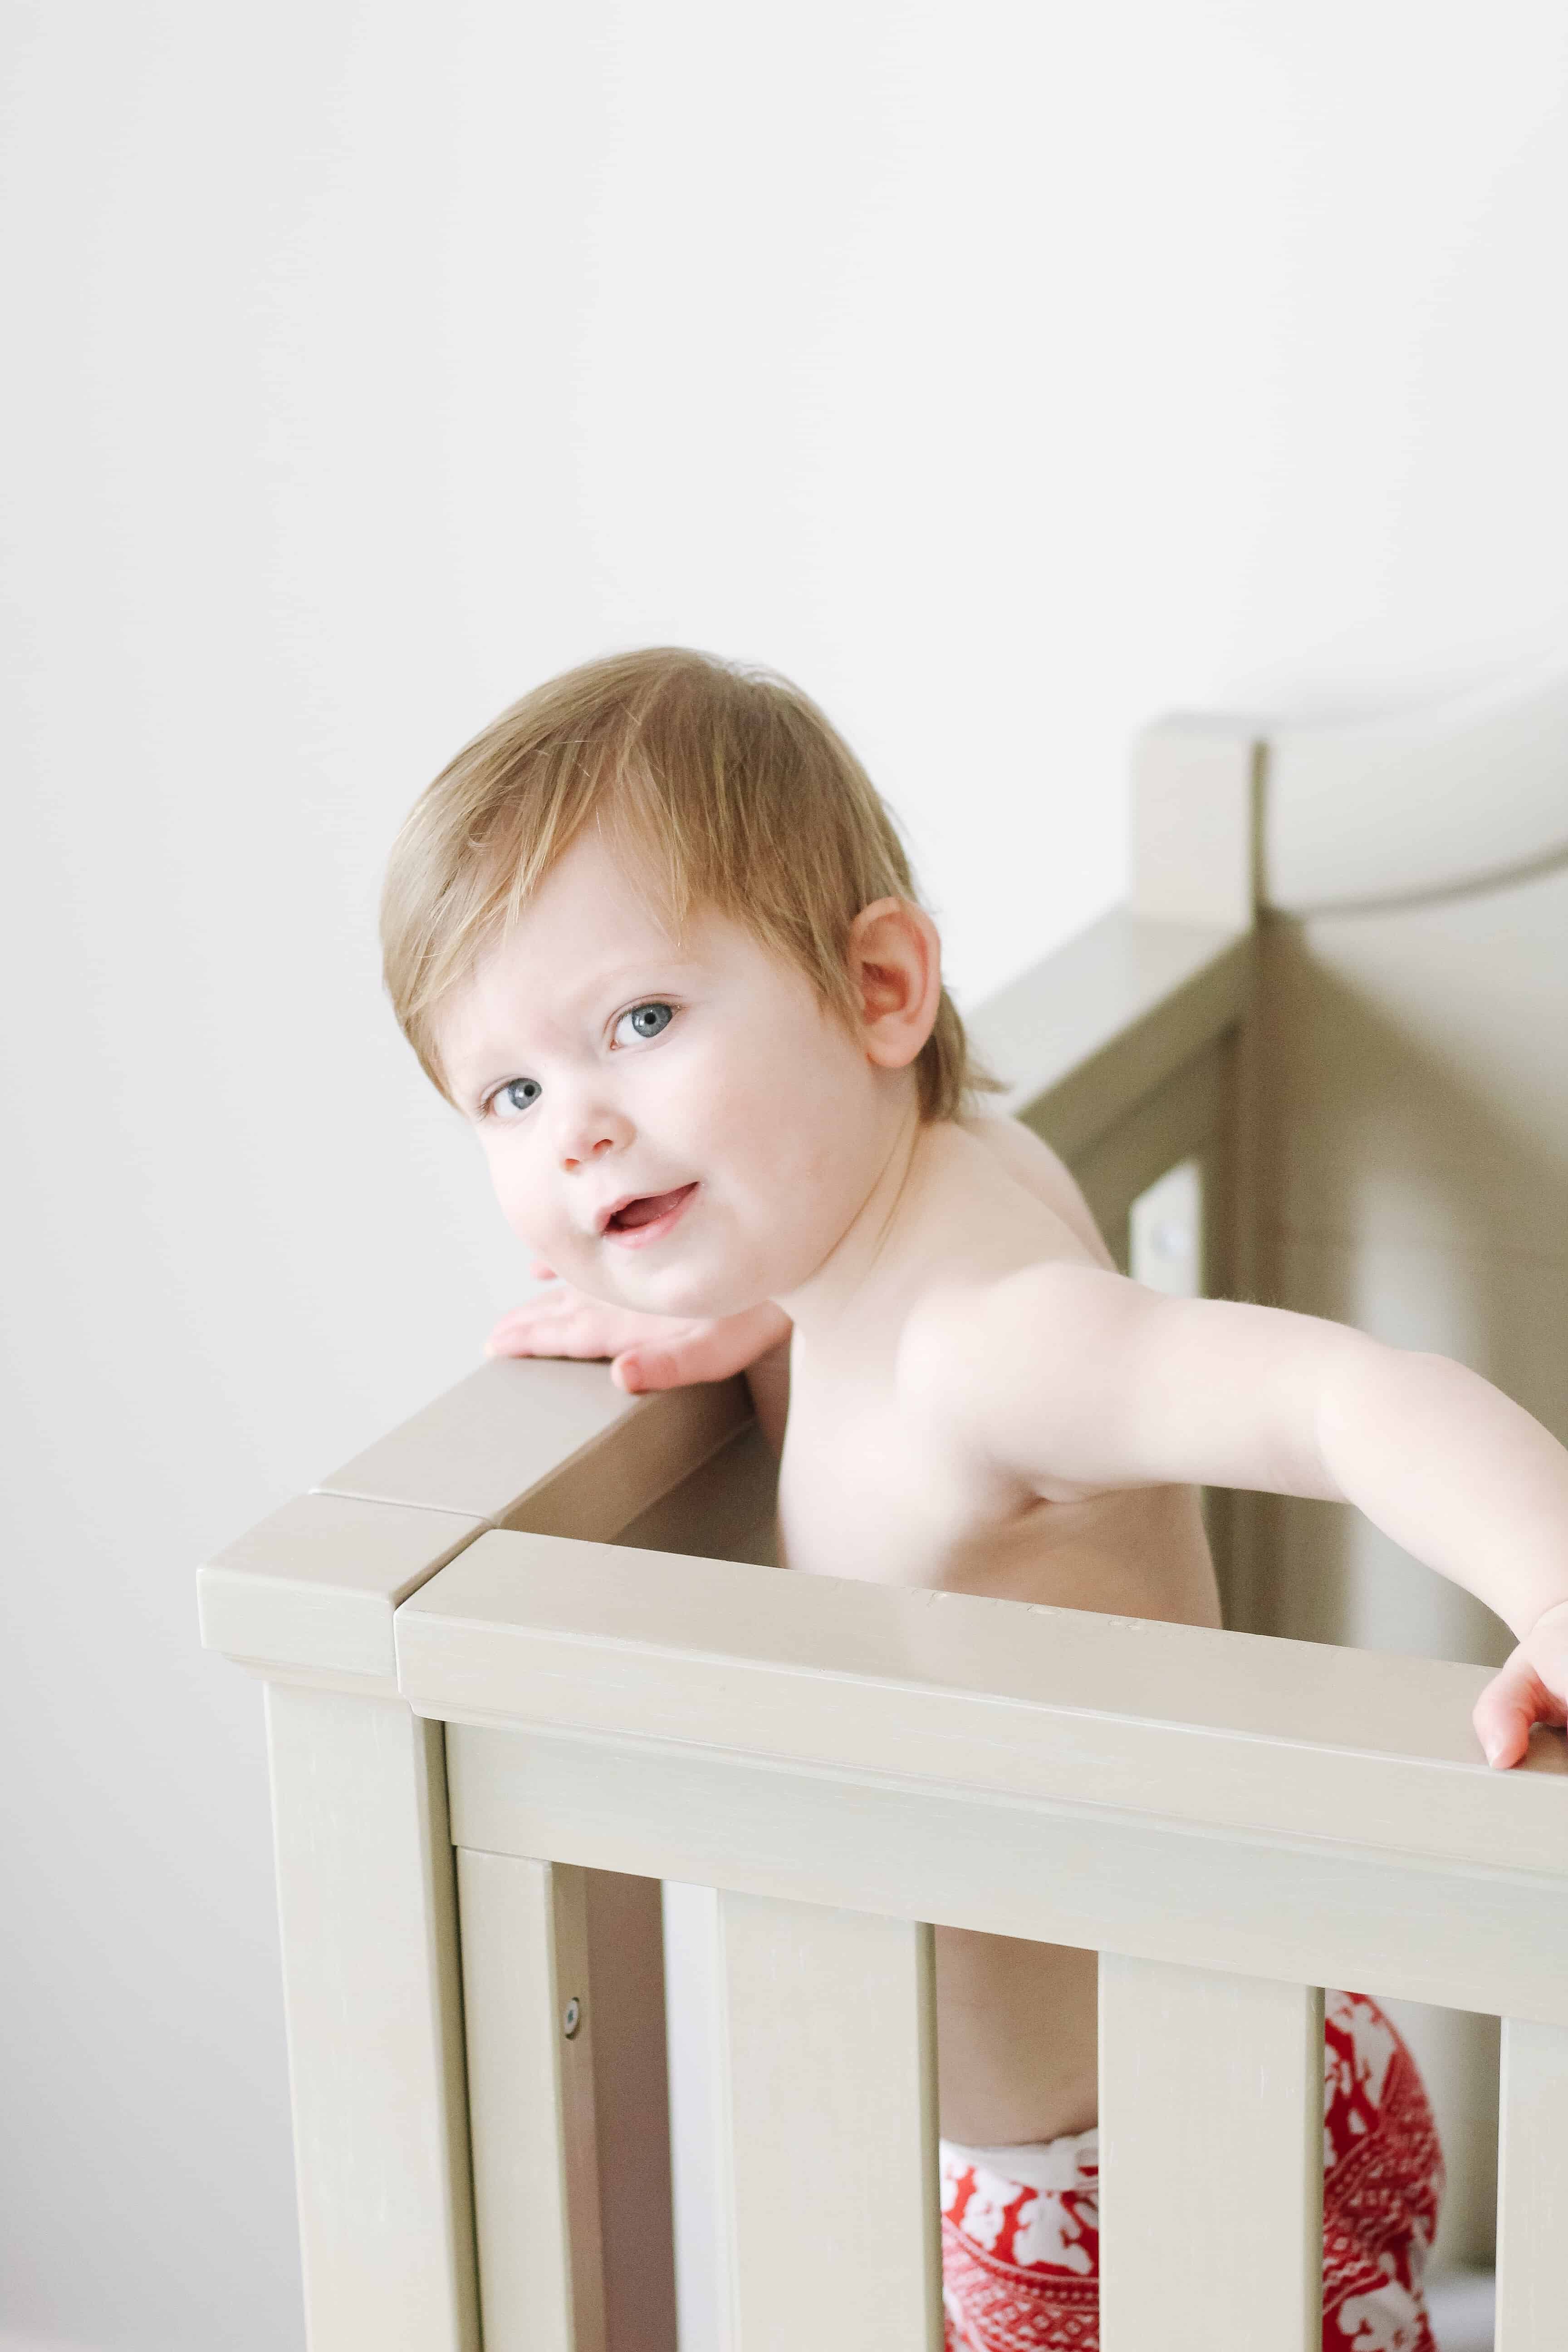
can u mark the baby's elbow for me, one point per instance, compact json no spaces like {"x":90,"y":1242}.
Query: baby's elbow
{"x":1374,"y":1393}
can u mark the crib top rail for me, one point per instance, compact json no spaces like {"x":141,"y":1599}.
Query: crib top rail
{"x":1236,"y":1732}
{"x":1090,"y":1032}
{"x":1222,"y":1801}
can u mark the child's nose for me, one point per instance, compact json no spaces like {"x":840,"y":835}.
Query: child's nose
{"x":591,"y":1139}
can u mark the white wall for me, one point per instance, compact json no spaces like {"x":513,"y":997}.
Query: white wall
{"x":1007,"y":374}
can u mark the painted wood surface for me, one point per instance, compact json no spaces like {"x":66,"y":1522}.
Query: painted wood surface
{"x":1443,"y":797}
{"x":1210,"y":2161}
{"x":316,"y":1584}
{"x":830,"y":2120}
{"x":530,"y":2018}
{"x":1532,"y":2190}
{"x":1092,"y":1030}
{"x":1298,"y":1910}
{"x":367,"y":1907}
{"x":526,"y":1444}
{"x":1196,"y":820}
{"x":1180,"y":1119}
{"x":1217,"y":1730}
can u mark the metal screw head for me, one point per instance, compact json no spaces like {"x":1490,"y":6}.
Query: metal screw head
{"x":571,"y":2017}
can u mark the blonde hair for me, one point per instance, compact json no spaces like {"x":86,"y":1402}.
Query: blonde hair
{"x":722,"y":787}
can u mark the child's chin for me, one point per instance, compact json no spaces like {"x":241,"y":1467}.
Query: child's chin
{"x":695,"y":1296}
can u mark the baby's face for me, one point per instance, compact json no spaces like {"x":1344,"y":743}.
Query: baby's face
{"x":675,"y":1125}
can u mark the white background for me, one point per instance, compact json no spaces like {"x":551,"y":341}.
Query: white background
{"x":1005,"y":373}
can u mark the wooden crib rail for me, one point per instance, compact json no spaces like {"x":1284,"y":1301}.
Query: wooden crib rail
{"x":1320,"y":1815}
{"x":309,"y":1594}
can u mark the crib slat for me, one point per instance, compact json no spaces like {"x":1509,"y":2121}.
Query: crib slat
{"x":829,"y":2116}
{"x":536,"y":2186}
{"x":1533,"y":2189}
{"x":1211,"y":2110}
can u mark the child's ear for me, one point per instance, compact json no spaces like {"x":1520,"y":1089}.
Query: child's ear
{"x":895,"y":970}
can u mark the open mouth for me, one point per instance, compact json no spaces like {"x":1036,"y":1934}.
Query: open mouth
{"x":649,"y":1216}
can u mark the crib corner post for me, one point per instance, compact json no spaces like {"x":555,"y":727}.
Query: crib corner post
{"x":367,"y":1909}
{"x":1198,"y":836}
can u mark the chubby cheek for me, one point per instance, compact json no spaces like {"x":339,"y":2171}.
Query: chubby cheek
{"x":774,"y":1135}
{"x":529,"y":1207}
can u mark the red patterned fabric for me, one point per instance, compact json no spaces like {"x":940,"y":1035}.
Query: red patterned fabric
{"x":1021,"y":2257}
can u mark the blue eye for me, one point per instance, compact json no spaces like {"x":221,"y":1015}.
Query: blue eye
{"x":645,"y":1020}
{"x":517,"y":1095}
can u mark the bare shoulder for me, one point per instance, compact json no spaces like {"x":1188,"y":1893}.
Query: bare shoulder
{"x":1067,"y":1298}
{"x":965,"y":1339}
{"x":1042,"y":1172}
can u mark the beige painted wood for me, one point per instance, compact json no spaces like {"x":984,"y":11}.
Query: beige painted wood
{"x":1454,"y":794}
{"x":1532,"y":2190}
{"x":1211,"y":2155}
{"x":536,"y":2181}
{"x":368,"y":1915}
{"x":1417,"y":1100}
{"x":1216,"y":1731}
{"x":1196,"y":785}
{"x":829,"y":2112}
{"x":1179,"y":1120}
{"x":546,"y":1444}
{"x":309,"y":1592}
{"x":724,"y":1510}
{"x":318,"y":1581}
{"x":1084,"y":1035}
{"x":1305,"y":1911}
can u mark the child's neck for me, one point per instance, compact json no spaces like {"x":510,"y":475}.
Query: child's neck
{"x":871,"y":1264}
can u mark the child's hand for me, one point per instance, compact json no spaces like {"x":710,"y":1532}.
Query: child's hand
{"x":1531,"y":1689}
{"x":648,"y":1351}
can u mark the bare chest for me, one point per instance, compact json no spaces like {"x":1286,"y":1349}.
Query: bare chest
{"x":864,"y":1492}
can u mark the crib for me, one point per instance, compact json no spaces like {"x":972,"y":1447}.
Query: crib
{"x":525,"y":1659}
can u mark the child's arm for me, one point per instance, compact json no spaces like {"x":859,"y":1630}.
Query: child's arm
{"x":656,"y":1352}
{"x":1079,"y":1380}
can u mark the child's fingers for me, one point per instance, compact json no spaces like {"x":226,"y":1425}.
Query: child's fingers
{"x":705,"y":1351}
{"x":506,"y":1342}
{"x":645,"y":1367}
{"x":537,"y":1329}
{"x":511,"y":1334}
{"x":1515,"y":1698}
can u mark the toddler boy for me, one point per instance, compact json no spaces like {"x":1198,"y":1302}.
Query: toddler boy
{"x":653,"y":933}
